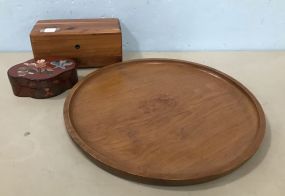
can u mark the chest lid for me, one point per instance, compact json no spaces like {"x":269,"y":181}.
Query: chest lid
{"x":76,"y":27}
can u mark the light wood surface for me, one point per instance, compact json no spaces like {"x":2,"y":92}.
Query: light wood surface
{"x":183,"y":123}
{"x":37,"y":156}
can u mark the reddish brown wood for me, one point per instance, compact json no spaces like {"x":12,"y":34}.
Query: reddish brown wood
{"x":166,"y":122}
{"x":91,"y":42}
{"x":42,"y":78}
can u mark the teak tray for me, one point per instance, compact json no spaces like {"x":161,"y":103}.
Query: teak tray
{"x":165,"y":122}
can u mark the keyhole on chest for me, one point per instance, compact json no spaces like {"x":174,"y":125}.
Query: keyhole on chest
{"x":77,"y":46}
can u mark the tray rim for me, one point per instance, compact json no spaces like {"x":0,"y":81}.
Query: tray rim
{"x":95,"y":156}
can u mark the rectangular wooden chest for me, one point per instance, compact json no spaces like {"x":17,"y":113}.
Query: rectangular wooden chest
{"x":91,"y":42}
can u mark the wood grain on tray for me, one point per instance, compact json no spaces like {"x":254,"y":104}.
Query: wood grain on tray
{"x":166,"y":122}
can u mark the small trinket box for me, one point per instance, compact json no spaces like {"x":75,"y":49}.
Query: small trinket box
{"x":90,"y":42}
{"x":43,"y":78}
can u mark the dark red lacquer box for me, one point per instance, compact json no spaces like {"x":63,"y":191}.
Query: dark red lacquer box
{"x":43,"y":78}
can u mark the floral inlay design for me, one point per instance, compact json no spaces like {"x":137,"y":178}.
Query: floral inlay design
{"x":42,"y":67}
{"x":61,"y":63}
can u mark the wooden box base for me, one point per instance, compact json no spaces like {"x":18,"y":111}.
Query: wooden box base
{"x":91,"y":42}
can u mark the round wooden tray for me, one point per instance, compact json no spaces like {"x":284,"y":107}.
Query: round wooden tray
{"x":163,"y":121}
